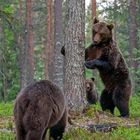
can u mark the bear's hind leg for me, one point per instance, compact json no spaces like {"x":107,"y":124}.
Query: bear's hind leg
{"x":121,"y":101}
{"x":34,"y":135}
{"x":56,"y":132}
{"x":106,"y":101}
{"x":20,"y":133}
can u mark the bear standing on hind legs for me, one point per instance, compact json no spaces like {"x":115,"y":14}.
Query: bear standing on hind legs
{"x":39,"y":107}
{"x":104,"y":55}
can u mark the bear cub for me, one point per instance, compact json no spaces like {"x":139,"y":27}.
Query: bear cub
{"x":38,"y":107}
{"x":91,"y":93}
{"x":104,"y":55}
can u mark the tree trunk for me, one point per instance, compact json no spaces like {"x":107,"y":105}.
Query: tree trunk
{"x":132,"y":27}
{"x":27,"y":62}
{"x":74,"y":58}
{"x":132,"y":37}
{"x":58,"y":58}
{"x":48,"y":71}
{"x":21,"y":59}
{"x":3,"y":65}
{"x":115,"y":21}
{"x":93,"y":2}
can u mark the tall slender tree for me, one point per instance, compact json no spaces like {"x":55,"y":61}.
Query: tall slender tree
{"x":132,"y":27}
{"x":21,"y":54}
{"x":58,"y":58}
{"x":93,"y":2}
{"x":49,"y":46}
{"x":115,"y":20}
{"x":74,"y":58}
{"x":133,"y":36}
{"x":27,"y":64}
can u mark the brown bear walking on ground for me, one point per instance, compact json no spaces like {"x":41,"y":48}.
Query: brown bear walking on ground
{"x":38,"y":107}
{"x":104,"y":55}
{"x":91,"y":93}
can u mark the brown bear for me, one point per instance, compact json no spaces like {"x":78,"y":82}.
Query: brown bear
{"x":104,"y":55}
{"x":38,"y":107}
{"x":91,"y":93}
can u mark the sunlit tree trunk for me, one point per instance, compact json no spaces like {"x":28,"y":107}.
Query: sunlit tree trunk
{"x":58,"y":58}
{"x":74,"y":58}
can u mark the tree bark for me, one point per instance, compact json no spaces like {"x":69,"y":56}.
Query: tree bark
{"x":93,"y":2}
{"x":132,"y":28}
{"x":74,"y":58}
{"x":115,"y":21}
{"x":27,"y":62}
{"x":58,"y":58}
{"x":48,"y":71}
{"x":21,"y":53}
{"x":133,"y":42}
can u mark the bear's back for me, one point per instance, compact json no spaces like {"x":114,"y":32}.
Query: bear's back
{"x":39,"y":94}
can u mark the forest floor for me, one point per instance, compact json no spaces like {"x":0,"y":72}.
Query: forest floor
{"x":93,"y":124}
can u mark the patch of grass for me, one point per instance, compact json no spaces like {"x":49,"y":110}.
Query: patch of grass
{"x":127,"y":133}
{"x":6,"y":109}
{"x":118,"y":134}
{"x":135,"y":106}
{"x":81,"y":134}
{"x":7,"y":135}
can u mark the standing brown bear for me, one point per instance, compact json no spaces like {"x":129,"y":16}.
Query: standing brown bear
{"x":104,"y":55}
{"x":91,"y":93}
{"x":38,"y":107}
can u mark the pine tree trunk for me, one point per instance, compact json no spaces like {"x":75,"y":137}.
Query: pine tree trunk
{"x":3,"y":65}
{"x":115,"y":21}
{"x":58,"y":58}
{"x":21,"y":55}
{"x":132,"y":38}
{"x":48,"y":71}
{"x":93,"y":2}
{"x":27,"y":62}
{"x":74,"y":58}
{"x":132,"y":27}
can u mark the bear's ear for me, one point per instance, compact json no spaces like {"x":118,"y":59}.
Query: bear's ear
{"x":92,"y":79}
{"x":110,"y":26}
{"x":95,"y":20}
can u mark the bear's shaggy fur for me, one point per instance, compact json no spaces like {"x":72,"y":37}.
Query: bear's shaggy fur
{"x":104,"y":55}
{"x":38,"y":107}
{"x":91,"y":93}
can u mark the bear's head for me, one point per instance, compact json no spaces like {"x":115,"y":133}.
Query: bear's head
{"x":102,"y":35}
{"x":102,"y":32}
{"x":90,"y":85}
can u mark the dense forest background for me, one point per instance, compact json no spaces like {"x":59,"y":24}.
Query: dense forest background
{"x":30,"y":44}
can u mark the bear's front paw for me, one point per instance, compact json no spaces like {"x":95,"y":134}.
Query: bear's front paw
{"x":90,"y":64}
